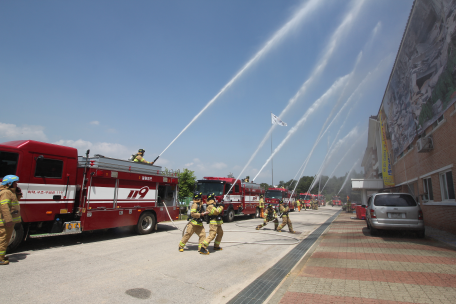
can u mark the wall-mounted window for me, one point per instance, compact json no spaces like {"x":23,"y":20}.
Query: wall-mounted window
{"x":446,"y":185}
{"x":49,"y":168}
{"x":427,"y":184}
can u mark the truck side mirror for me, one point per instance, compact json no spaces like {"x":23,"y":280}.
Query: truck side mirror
{"x":364,"y":206}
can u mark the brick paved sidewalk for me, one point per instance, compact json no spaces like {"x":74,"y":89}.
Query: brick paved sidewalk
{"x":348,"y":265}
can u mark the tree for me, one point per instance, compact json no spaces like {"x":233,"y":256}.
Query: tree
{"x":187,"y":179}
{"x":265,"y":186}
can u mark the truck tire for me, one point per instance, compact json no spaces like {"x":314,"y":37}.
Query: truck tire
{"x":16,"y":238}
{"x":146,"y":223}
{"x":230,"y":215}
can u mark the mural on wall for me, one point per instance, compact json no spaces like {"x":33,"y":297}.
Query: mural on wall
{"x":423,"y":81}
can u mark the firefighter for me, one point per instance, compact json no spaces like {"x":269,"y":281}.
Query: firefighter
{"x":215,"y":226}
{"x":299,"y":205}
{"x":269,"y":215}
{"x":285,"y":218}
{"x":261,"y":206}
{"x":10,"y":212}
{"x":196,"y":223}
{"x":139,"y":157}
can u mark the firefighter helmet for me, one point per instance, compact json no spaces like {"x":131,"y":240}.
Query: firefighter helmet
{"x":141,"y":151}
{"x":211,"y":196}
{"x":197,"y":195}
{"x":281,"y":201}
{"x":9,"y":180}
{"x":269,"y":205}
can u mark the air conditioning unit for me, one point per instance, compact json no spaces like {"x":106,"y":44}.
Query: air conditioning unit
{"x":424,"y":144}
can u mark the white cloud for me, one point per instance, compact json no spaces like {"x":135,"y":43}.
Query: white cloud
{"x":189,"y":164}
{"x":95,"y":122}
{"x":24,"y":132}
{"x":107,"y":149}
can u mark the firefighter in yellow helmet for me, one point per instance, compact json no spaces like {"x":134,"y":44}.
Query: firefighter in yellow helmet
{"x":196,"y":223}
{"x":269,"y":215}
{"x":285,"y":218}
{"x":261,"y":206}
{"x":298,"y":203}
{"x":215,"y":213}
{"x":139,"y":157}
{"x":10,"y":212}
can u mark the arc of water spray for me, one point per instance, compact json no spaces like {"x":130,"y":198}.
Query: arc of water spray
{"x":343,"y":157}
{"x":361,"y":84}
{"x":330,"y":48}
{"x":333,"y":42}
{"x":348,"y":175}
{"x":352,"y":134}
{"x":300,"y":15}
{"x":319,"y":102}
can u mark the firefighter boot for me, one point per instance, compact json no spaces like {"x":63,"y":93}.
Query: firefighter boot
{"x":4,"y":262}
{"x":258,"y":227}
{"x":181,"y":249}
{"x":218,"y":248}
{"x":204,"y":251}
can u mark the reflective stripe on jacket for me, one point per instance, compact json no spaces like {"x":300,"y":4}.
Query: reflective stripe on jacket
{"x":213,"y":211}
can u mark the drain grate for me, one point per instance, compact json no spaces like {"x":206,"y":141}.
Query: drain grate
{"x":260,"y":289}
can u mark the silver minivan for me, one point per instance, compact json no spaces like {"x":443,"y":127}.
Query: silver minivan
{"x":394,"y":211}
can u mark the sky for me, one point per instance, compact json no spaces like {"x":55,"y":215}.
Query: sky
{"x":118,"y":76}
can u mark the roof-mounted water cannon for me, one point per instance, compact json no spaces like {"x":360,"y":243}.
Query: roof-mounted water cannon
{"x":155,"y":160}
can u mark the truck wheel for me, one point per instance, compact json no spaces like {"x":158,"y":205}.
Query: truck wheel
{"x":146,"y":223}
{"x":257,"y":213}
{"x":16,"y":237}
{"x":230,"y":216}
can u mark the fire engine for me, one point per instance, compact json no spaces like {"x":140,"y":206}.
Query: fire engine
{"x":306,"y":199}
{"x":241,"y":200}
{"x":274,"y":195}
{"x":64,"y":193}
{"x":321,"y":199}
{"x":336,"y":201}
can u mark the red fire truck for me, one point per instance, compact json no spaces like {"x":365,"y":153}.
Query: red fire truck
{"x":321,"y":200}
{"x":274,"y":195}
{"x":306,"y":198}
{"x":64,"y":193}
{"x":241,"y":200}
{"x":336,"y":201}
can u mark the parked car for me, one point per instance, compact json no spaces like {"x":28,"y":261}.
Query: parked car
{"x":394,"y":211}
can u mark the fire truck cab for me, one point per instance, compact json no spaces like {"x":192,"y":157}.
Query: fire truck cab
{"x":64,"y":193}
{"x":336,"y":201}
{"x":274,"y":195}
{"x":241,"y":200}
{"x":306,"y":198}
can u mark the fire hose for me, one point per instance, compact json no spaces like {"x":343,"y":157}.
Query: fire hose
{"x":239,"y":242}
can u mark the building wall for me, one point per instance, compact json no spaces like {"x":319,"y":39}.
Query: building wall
{"x":412,"y":165}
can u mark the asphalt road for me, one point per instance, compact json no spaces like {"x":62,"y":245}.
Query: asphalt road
{"x":118,"y":266}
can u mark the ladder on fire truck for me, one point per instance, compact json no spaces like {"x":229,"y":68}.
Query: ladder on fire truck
{"x":107,"y":163}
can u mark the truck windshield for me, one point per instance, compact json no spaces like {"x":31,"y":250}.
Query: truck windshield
{"x":210,"y":187}
{"x":273,"y":194}
{"x":394,"y":200}
{"x":305,"y":197}
{"x":8,"y":163}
